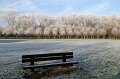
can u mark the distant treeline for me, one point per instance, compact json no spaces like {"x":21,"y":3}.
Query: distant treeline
{"x":71,"y":26}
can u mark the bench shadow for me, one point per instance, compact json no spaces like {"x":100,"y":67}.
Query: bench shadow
{"x":50,"y":72}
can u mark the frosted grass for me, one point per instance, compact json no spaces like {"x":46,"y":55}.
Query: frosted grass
{"x":98,"y":58}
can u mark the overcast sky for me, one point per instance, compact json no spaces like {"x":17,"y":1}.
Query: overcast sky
{"x":62,"y":7}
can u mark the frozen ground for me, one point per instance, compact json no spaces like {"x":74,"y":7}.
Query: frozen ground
{"x":100,"y":59}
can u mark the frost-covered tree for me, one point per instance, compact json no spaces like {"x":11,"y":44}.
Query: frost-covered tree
{"x":84,"y":32}
{"x":8,"y":31}
{"x":102,"y":32}
{"x":62,"y":31}
{"x":87,"y":30}
{"x":69,"y":32}
{"x":71,"y":26}
{"x":115,"y":32}
{"x":47,"y":32}
{"x":77,"y":32}
{"x":29,"y":31}
{"x":55,"y":31}
{"x":45,"y":21}
{"x":38,"y":31}
{"x":93,"y":32}
{"x":10,"y":18}
{"x":21,"y":32}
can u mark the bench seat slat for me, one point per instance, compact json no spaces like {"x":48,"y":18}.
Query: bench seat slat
{"x":46,"y":58}
{"x":49,"y":65}
{"x":47,"y":55}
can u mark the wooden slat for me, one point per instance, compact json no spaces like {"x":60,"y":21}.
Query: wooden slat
{"x":47,"y":54}
{"x":47,"y":58}
{"x":49,"y":65}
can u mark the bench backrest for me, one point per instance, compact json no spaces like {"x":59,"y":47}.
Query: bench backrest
{"x":45,"y":57}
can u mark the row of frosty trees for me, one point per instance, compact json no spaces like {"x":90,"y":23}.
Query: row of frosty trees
{"x":71,"y":26}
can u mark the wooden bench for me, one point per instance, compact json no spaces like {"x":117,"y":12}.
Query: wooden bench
{"x":46,"y":57}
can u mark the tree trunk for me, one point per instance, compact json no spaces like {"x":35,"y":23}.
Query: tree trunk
{"x":98,"y":37}
{"x":59,"y":36}
{"x":91,"y":37}
{"x":84,"y":37}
